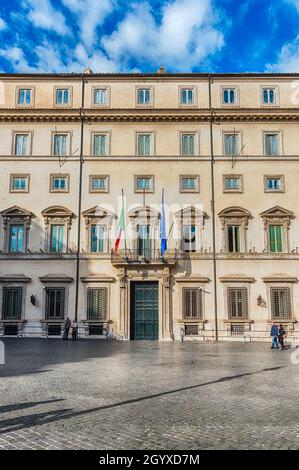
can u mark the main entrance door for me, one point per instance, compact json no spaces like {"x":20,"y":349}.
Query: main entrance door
{"x":144,"y":310}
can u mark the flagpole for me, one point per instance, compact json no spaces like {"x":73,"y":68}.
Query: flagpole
{"x":125,"y":234}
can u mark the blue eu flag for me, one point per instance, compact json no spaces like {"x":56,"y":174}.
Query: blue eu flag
{"x":163,"y":229}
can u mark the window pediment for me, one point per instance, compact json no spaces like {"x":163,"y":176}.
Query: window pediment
{"x":57,"y":212}
{"x":277,"y":212}
{"x":192,"y":213}
{"x":144,"y":212}
{"x":98,"y":212}
{"x":234,"y":212}
{"x":16,"y":212}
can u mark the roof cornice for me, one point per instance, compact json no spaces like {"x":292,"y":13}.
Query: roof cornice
{"x":150,"y":115}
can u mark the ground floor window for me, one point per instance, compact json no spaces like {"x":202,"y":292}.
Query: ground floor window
{"x":191,"y":330}
{"x":237,"y":329}
{"x":237,"y":302}
{"x":281,"y":308}
{"x":55,"y":303}
{"x":97,"y":303}
{"x":12,"y":303}
{"x":192,"y":303}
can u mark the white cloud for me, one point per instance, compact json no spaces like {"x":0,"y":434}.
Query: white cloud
{"x":295,"y":3}
{"x":90,"y":14}
{"x":2,"y":24}
{"x":16,"y":56}
{"x":288,"y":59}
{"x":186,"y":35}
{"x":43,"y":15}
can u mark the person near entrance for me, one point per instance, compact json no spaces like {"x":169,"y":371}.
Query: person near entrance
{"x":67,"y":325}
{"x":274,"y":336}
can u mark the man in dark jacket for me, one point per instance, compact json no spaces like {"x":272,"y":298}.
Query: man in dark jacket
{"x":274,"y":336}
{"x":67,"y":325}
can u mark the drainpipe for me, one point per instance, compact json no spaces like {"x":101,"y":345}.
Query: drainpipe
{"x":213,"y":207}
{"x":81,"y":112}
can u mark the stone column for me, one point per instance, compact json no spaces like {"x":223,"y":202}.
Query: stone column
{"x":166,"y":320}
{"x":123,"y":296}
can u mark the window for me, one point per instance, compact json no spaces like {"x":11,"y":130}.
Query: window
{"x":186,"y":96}
{"x":189,"y":238}
{"x":59,"y":183}
{"x":237,"y":303}
{"x":100,"y":96}
{"x":55,"y":300}
{"x":97,"y":303}
{"x":281,"y":307}
{"x":57,"y":236}
{"x":275,"y":238}
{"x":233,"y":238}
{"x":189,"y":184}
{"x":144,"y":96}
{"x":188,"y":144}
{"x":144,"y":240}
{"x":274,"y":184}
{"x":97,"y":238}
{"x":21,"y":144}
{"x":144,"y":184}
{"x":60,"y":145}
{"x":19,"y":183}
{"x":191,"y":330}
{"x":24,"y":96}
{"x":12,"y":303}
{"x":229,"y":96}
{"x":144,"y":143}
{"x":269,"y":95}
{"x":231,"y":144}
{"x":192,"y":303}
{"x":271,"y":144}
{"x":232,"y":183}
{"x":16,"y":238}
{"x":100,"y":145}
{"x":237,"y":329}
{"x":99,"y":184}
{"x":62,"y":96}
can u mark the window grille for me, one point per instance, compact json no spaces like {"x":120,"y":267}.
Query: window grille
{"x":281,"y":307}
{"x":237,"y":303}
{"x":97,"y":303}
{"x":192,"y":303}
{"x":55,"y":300}
{"x":191,"y":330}
{"x":12,"y":303}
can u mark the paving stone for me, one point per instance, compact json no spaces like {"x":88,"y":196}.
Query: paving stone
{"x":147,"y":395}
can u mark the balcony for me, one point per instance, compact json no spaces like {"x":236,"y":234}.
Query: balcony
{"x":148,"y":257}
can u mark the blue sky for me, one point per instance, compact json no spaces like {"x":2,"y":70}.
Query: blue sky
{"x":126,"y":36}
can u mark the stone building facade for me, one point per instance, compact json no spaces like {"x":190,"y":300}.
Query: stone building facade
{"x":223,"y":147}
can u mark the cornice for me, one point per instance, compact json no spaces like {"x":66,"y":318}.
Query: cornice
{"x":91,"y":115}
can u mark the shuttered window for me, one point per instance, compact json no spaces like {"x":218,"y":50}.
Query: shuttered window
{"x":55,"y":301}
{"x":12,"y":303}
{"x":271,"y":144}
{"x":281,"y":307}
{"x":144,"y":145}
{"x":99,"y":145}
{"x":275,"y":238}
{"x":97,"y":303}
{"x":188,"y":144}
{"x":192,"y":303}
{"x":237,"y":303}
{"x":231,"y":144}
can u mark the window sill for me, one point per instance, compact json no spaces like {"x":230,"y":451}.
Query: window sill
{"x":187,"y":320}
{"x":13,"y":320}
{"x":240,"y":320}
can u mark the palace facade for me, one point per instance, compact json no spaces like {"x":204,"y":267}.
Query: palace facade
{"x":223,"y":147}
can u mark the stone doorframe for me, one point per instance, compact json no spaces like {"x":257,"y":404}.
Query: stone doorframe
{"x":161,"y":274}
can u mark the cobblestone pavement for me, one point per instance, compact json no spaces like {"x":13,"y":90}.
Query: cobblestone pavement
{"x":147,"y":395}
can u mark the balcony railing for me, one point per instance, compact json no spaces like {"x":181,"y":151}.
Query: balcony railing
{"x":145,"y":257}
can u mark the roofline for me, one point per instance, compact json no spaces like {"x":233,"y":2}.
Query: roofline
{"x":149,"y":75}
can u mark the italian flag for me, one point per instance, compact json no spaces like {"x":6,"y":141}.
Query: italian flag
{"x":120,"y":227}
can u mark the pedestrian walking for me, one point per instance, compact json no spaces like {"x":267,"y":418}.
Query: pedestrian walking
{"x":274,"y":336}
{"x":74,"y":330}
{"x":281,"y":337}
{"x":67,"y":325}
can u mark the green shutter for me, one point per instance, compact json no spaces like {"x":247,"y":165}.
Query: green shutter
{"x":272,"y":238}
{"x":278,"y":239}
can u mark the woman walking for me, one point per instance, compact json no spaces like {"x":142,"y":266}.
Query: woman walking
{"x":281,"y":337}
{"x":74,"y":330}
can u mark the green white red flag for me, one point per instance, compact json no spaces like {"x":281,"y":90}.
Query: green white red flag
{"x":120,"y":227}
